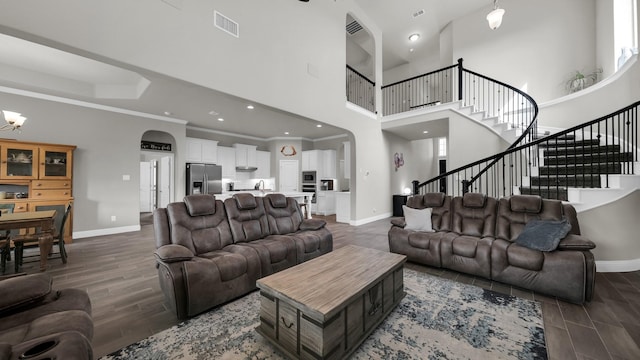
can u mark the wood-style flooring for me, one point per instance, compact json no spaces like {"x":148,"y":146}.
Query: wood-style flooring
{"x":119,"y":275}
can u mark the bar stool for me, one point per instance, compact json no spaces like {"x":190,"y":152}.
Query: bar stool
{"x":303,"y":208}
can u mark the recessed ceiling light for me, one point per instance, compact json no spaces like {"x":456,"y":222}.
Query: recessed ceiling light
{"x":319,"y":125}
{"x":425,"y":132}
{"x":414,"y":37}
{"x":286,"y":133}
{"x":168,"y":113}
{"x":213,"y":112}
{"x":220,"y":119}
{"x":250,"y":107}
{"x":411,"y":50}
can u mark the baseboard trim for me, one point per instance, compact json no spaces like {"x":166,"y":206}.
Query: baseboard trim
{"x":108,"y":231}
{"x":369,"y":220}
{"x":618,"y":265}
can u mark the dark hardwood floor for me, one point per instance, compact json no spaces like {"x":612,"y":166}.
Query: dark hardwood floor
{"x":119,"y":275}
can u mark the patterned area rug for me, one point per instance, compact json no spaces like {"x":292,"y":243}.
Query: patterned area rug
{"x":438,"y":319}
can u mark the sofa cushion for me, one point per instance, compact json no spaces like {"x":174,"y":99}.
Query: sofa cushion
{"x":465,"y":246}
{"x":474,"y":200}
{"x":576,"y":242}
{"x":525,"y":258}
{"x":543,"y":235}
{"x":245,"y":201}
{"x":417,"y":219}
{"x":433,"y":199}
{"x":312,"y":224}
{"x":200,"y":204}
{"x":230,"y":265}
{"x":277,"y":200}
{"x":21,"y":291}
{"x":526,"y":203}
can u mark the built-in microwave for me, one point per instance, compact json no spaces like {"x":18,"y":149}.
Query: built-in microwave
{"x":309,"y":177}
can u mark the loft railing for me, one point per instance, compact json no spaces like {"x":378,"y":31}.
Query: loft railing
{"x":586,"y":155}
{"x":360,"y":90}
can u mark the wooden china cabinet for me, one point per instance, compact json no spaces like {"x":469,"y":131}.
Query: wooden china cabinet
{"x":37,"y":176}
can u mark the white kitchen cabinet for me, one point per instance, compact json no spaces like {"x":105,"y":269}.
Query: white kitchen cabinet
{"x":202,"y":150}
{"x":227,"y":159}
{"x":343,"y":207}
{"x":347,"y":159}
{"x":326,"y":202}
{"x":263,"y":162}
{"x":312,"y":161}
{"x":245,"y":155}
{"x":328,"y":164}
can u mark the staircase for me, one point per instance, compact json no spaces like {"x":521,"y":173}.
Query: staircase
{"x":570,"y":163}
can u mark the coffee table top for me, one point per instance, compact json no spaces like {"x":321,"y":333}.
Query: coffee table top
{"x":322,"y":286}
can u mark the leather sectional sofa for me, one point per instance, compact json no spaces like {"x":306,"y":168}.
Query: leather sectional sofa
{"x":37,"y":322}
{"x":485,"y":237}
{"x":209,"y":252}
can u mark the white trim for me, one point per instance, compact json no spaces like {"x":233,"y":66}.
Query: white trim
{"x":195,"y":128}
{"x":369,"y":220}
{"x":90,"y":105}
{"x":618,"y":265}
{"x":361,"y":110}
{"x":107,"y":231}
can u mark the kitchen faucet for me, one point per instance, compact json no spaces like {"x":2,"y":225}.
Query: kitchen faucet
{"x":258,"y":185}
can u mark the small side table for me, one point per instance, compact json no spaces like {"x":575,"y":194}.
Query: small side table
{"x":398,"y":201}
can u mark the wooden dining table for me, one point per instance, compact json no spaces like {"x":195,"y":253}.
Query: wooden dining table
{"x":33,"y":219}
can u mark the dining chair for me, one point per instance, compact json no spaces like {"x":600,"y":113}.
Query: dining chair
{"x":5,"y":244}
{"x":31,"y":240}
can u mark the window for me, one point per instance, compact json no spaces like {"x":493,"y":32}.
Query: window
{"x":442,"y":147}
{"x":625,"y":30}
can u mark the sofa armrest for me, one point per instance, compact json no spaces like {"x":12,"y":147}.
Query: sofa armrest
{"x":576,"y":242}
{"x":173,"y":253}
{"x":23,"y":291}
{"x":312,"y":224}
{"x":399,"y":222}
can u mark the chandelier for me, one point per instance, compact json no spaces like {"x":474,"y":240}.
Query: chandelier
{"x":14,"y":121}
{"x":495,"y":17}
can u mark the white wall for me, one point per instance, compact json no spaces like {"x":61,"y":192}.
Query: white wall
{"x":532,"y":51}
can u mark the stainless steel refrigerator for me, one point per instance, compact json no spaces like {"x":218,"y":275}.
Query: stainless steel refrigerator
{"x":204,"y":179}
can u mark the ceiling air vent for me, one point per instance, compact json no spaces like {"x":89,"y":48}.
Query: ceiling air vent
{"x":418,"y":13}
{"x":353,"y":27}
{"x":227,"y":25}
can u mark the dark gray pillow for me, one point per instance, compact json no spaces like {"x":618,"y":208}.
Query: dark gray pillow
{"x":543,"y":235}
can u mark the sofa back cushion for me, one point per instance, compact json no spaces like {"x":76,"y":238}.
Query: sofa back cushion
{"x":474,"y":215}
{"x":516,"y":211}
{"x":283,"y":214}
{"x":440,"y":205}
{"x":247,"y":217}
{"x":199,"y":223}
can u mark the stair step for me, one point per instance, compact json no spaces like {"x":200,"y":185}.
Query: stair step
{"x":581,"y":181}
{"x":562,"y":137}
{"x":588,"y":158}
{"x":546,"y":192}
{"x":602,"y":168}
{"x":569,"y":143}
{"x":567,"y":150}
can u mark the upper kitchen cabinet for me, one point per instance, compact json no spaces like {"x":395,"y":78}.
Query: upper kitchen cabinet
{"x":227,"y":159}
{"x":19,"y":161}
{"x":202,"y":151}
{"x":328,"y":164}
{"x":55,"y":162}
{"x":264,"y":165}
{"x":312,"y":160}
{"x":246,"y":157}
{"x":347,"y":159}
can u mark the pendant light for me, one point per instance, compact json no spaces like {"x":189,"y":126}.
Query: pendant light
{"x":495,"y":17}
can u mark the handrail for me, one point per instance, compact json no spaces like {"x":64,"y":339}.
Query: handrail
{"x":419,"y":76}
{"x":619,"y":144}
{"x":362,"y":76}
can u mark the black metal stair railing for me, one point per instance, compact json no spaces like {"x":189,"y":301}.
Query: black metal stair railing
{"x":360,"y":90}
{"x":584,"y":156}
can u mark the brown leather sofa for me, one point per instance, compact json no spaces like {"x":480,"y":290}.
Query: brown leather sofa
{"x":41,"y":323}
{"x":479,"y":235}
{"x":209,"y":252}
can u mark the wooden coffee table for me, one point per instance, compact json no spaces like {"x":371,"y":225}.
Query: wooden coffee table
{"x":326,"y":307}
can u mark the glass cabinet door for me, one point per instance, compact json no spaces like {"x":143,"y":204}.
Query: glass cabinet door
{"x":19,"y":162}
{"x":55,"y":163}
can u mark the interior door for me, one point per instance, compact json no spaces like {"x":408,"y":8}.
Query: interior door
{"x":147,"y":193}
{"x":289,"y":175}
{"x":164,"y":182}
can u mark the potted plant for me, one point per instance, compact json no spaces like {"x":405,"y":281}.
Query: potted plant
{"x":581,"y":81}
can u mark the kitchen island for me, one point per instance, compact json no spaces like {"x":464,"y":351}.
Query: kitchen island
{"x":301,"y":197}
